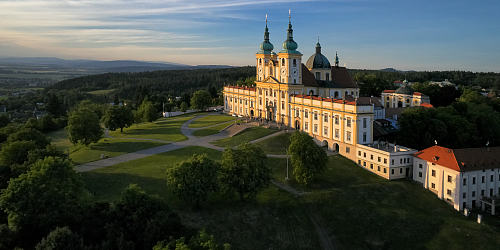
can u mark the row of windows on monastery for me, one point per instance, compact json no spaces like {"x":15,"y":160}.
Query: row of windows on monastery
{"x":384,"y":169}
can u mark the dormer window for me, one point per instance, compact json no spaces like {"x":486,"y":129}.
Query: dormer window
{"x":318,"y":75}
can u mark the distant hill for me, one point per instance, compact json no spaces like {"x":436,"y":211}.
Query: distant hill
{"x":396,"y":70}
{"x":104,"y":66}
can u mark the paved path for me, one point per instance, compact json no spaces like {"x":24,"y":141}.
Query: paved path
{"x":185,"y":130}
{"x":325,"y":240}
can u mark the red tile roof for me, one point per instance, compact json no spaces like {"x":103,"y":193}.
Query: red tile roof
{"x":462,"y":160}
{"x":426,"y":105}
{"x":389,"y":91}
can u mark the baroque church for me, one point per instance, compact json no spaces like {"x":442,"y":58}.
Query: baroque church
{"x":320,"y":99}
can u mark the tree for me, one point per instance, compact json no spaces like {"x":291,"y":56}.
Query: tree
{"x":29,"y":134}
{"x":83,"y":127}
{"x":48,"y":124}
{"x":143,"y":219}
{"x":244,"y":170}
{"x":118,"y":117}
{"x":116,"y":101}
{"x":54,"y":106}
{"x":201,"y":100}
{"x":61,"y":239}
{"x":4,"y":121}
{"x":98,"y":109}
{"x":201,"y":241}
{"x":193,"y":180}
{"x":307,"y":158}
{"x":147,"y":111}
{"x":184,"y":107}
{"x":16,"y":152}
{"x":48,"y":195}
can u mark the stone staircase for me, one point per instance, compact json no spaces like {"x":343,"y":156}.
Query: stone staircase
{"x":235,"y":129}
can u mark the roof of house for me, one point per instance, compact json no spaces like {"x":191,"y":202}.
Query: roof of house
{"x":389,"y":91}
{"x":462,"y":160}
{"x":390,"y":112}
{"x":340,"y":78}
{"x":426,"y":105}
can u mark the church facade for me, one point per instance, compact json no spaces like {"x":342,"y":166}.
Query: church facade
{"x":317,"y":98}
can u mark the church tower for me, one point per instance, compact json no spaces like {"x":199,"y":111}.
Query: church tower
{"x":266,"y":58}
{"x":289,"y":59}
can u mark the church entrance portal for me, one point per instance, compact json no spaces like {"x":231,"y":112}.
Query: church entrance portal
{"x":297,"y":125}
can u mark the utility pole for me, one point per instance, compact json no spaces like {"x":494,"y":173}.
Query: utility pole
{"x":286,"y":164}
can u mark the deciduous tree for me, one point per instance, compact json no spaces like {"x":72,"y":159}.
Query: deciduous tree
{"x":84,"y":127}
{"x":184,"y":107}
{"x":118,"y":117}
{"x":307,"y":158}
{"x":244,"y":170}
{"x":194,"y":179}
{"x":201,"y":100}
{"x":29,"y":134}
{"x":48,"y":195}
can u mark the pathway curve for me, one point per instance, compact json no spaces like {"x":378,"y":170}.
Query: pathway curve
{"x":325,"y":240}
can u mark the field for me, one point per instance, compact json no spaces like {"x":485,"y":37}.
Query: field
{"x":210,"y":120}
{"x":168,"y":130}
{"x":276,"y":145}
{"x":365,"y":211}
{"x":107,"y":146}
{"x":275,"y":220}
{"x":247,"y":135}
{"x":213,"y":129}
{"x":101,"y":92}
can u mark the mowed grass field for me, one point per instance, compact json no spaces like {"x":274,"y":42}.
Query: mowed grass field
{"x":276,"y":145}
{"x":364,"y":211}
{"x":213,"y":129}
{"x":275,"y":220}
{"x":210,"y":120}
{"x":165,"y":130}
{"x":106,"y":146}
{"x":247,"y":135}
{"x":101,"y":92}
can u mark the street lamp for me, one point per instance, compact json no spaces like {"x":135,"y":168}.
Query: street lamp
{"x":286,"y":178}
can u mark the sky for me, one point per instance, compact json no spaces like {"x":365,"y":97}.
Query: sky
{"x":368,"y":34}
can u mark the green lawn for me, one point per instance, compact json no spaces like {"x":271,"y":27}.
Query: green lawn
{"x":163,"y":130}
{"x":101,"y":92}
{"x":107,"y":146}
{"x":365,"y":211}
{"x":213,"y":130}
{"x":247,"y":135}
{"x":275,"y":220}
{"x":276,"y":145}
{"x":210,"y":120}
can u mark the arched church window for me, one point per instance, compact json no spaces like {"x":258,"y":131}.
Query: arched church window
{"x":407,"y":100}
{"x":282,"y":61}
{"x":347,"y":93}
{"x":294,"y":62}
{"x":311,"y":92}
{"x":336,"y":94}
{"x":352,"y":93}
{"x":260,"y":61}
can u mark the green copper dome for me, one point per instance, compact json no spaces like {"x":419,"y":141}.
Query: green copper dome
{"x":404,"y":90}
{"x":318,"y":60}
{"x":290,"y":46}
{"x":266,"y":47}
